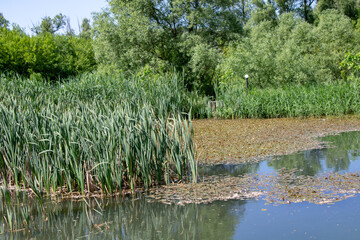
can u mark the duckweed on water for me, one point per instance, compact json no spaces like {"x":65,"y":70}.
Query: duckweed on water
{"x":283,"y":188}
{"x":248,"y":140}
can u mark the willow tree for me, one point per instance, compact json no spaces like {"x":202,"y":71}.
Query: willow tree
{"x":350,"y":8}
{"x":164,"y":34}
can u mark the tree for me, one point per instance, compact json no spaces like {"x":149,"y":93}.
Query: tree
{"x":85,"y":29}
{"x":286,"y":6}
{"x":50,"y":25}
{"x":262,"y":11}
{"x":302,"y":7}
{"x":350,"y":8}
{"x":69,"y":30}
{"x":3,"y":21}
{"x":292,"y":51}
{"x":166,"y":33}
{"x":306,"y":11}
{"x":14,"y":45}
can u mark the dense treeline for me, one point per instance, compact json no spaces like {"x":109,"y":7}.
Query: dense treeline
{"x":46,"y":54}
{"x":209,"y":42}
{"x":212,"y":44}
{"x":292,"y":51}
{"x":275,"y":42}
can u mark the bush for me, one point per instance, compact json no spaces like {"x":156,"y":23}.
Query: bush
{"x":52,"y":56}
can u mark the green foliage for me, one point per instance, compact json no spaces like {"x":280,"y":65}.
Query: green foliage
{"x":262,"y":11}
{"x":84,"y":54}
{"x":290,"y":100}
{"x":292,"y":51}
{"x":50,"y":25}
{"x":302,"y":7}
{"x":203,"y":62}
{"x":42,"y":56}
{"x":286,"y":6}
{"x":350,"y":8}
{"x":85,"y":29}
{"x":166,"y":34}
{"x":3,"y":21}
{"x":274,"y":42}
{"x":279,"y":44}
{"x":350,"y":66}
{"x":52,"y":56}
{"x":14,"y":45}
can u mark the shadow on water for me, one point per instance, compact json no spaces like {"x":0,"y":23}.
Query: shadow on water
{"x":342,"y":155}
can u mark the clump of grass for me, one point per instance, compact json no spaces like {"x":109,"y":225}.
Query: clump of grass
{"x":92,"y":134}
{"x":326,"y":99}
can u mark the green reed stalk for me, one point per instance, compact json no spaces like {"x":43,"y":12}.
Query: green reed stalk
{"x":335,"y":98}
{"x":88,"y":135}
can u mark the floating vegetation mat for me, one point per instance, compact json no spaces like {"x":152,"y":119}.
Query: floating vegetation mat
{"x":250,"y":140}
{"x":283,"y":188}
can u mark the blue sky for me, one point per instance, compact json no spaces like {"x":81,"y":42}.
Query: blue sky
{"x":27,"y":13}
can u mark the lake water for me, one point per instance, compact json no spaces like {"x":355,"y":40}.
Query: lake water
{"x":235,"y":219}
{"x":342,"y":156}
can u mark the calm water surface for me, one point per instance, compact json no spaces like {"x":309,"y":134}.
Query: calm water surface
{"x":235,"y":219}
{"x":342,"y":156}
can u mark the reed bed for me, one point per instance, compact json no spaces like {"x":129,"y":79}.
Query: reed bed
{"x":103,"y":134}
{"x":93,"y":134}
{"x":326,"y":99}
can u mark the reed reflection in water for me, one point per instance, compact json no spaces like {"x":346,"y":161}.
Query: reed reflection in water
{"x":127,"y":219}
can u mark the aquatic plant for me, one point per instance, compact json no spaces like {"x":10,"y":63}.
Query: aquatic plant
{"x":88,"y":136}
{"x":291,"y":100}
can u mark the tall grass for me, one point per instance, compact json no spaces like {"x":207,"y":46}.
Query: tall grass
{"x":93,"y":133}
{"x":327,"y":99}
{"x":105,"y":133}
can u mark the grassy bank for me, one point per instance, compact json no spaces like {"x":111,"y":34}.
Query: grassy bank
{"x":92,"y":134}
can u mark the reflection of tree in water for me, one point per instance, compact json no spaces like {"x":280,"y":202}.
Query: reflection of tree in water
{"x":229,"y":170}
{"x":345,"y":148}
{"x":137,"y":219}
{"x":307,"y":161}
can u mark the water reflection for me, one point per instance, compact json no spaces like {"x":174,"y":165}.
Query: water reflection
{"x":232,"y":170}
{"x":345,"y":149}
{"x":130,"y":219}
{"x":343,"y":155}
{"x":308,"y":162}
